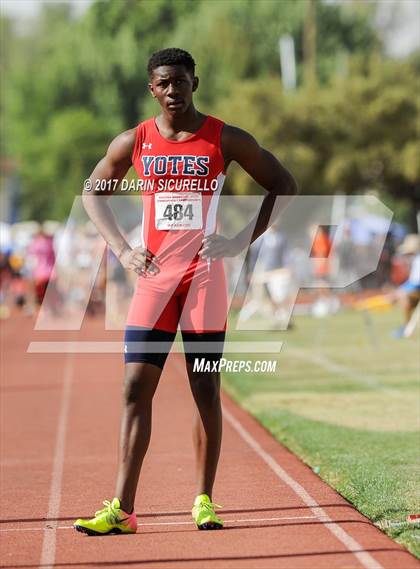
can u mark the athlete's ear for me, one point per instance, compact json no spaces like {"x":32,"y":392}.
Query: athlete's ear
{"x":151,"y":90}
{"x":195,"y":84}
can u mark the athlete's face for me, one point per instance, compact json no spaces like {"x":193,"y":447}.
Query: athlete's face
{"x":173,"y":86}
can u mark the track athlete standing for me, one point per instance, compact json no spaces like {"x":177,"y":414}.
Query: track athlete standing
{"x":181,"y":158}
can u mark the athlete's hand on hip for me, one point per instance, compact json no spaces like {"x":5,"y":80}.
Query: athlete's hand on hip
{"x":139,"y":260}
{"x":216,"y":246}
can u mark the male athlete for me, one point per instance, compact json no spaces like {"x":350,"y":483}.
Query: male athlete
{"x":181,"y":158}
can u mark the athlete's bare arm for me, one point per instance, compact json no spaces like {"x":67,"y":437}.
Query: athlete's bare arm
{"x":268,"y":172}
{"x":114,"y":166}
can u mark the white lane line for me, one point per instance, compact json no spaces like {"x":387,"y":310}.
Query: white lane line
{"x":349,"y":542}
{"x":241,"y":521}
{"x":49,"y":542}
{"x":335,"y":368}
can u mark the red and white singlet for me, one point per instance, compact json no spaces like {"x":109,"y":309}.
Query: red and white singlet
{"x":180,"y":183}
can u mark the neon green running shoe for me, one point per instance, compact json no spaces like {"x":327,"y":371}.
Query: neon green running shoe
{"x":204,"y":515}
{"x":111,"y":519}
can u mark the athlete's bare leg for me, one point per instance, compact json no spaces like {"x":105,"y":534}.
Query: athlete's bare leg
{"x":141,"y":381}
{"x":207,"y":428}
{"x":409,"y":302}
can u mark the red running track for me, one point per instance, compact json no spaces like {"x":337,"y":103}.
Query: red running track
{"x":60,"y":423}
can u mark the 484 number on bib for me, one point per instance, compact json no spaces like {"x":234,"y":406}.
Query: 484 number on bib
{"x":178,"y":211}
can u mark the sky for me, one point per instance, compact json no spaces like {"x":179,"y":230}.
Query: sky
{"x":27,"y":9}
{"x":399,"y":20}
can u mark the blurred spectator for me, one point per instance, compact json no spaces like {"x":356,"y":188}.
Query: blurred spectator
{"x":274,"y":282}
{"x":408,"y":293}
{"x":41,"y":258}
{"x":383,"y":272}
{"x":273,"y":249}
{"x":5,"y":281}
{"x":19,"y":285}
{"x":326,"y":301}
{"x":13,"y":285}
{"x":346,"y":251}
{"x":320,"y":251}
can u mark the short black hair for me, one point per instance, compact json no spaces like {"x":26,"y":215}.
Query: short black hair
{"x":171,"y":56}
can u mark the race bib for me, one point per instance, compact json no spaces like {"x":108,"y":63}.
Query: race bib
{"x":178,"y":211}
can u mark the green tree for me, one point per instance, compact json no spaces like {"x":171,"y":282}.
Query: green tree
{"x":381,"y":147}
{"x":51,"y":191}
{"x":92,"y":70}
{"x":357,"y":133}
